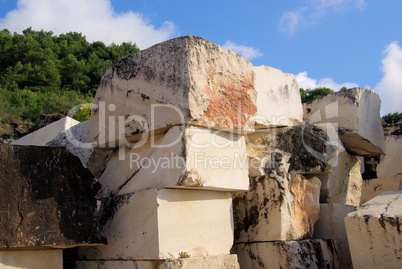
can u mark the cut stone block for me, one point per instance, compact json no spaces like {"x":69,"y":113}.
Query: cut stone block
{"x":186,"y":79}
{"x":32,"y":259}
{"x":391,"y":164}
{"x":76,"y":141}
{"x":160,"y":224}
{"x":47,"y":199}
{"x":357,"y":114}
{"x":343,"y":184}
{"x":281,"y":92}
{"x":312,"y":253}
{"x":374,"y":232}
{"x":373,"y":187}
{"x":277,"y":207}
{"x":44,"y":135}
{"x":331,"y":225}
{"x":307,"y":149}
{"x":215,"y":262}
{"x":184,"y":157}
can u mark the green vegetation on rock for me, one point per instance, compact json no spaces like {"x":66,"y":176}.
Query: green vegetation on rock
{"x":310,"y":95}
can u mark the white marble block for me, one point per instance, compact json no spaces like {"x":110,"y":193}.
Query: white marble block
{"x":215,"y":262}
{"x":356,"y":112}
{"x":182,"y":80}
{"x":44,"y":135}
{"x":331,"y":225}
{"x":374,"y":232}
{"x":313,"y":253}
{"x":343,"y":183}
{"x":277,"y":207}
{"x":373,"y":187}
{"x":281,"y":92}
{"x":162,"y":223}
{"x":31,"y":259}
{"x":184,"y":157}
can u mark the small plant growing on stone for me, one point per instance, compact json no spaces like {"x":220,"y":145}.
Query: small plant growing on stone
{"x":183,"y":255}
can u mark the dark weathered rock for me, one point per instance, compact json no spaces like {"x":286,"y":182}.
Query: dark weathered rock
{"x":313,"y":253}
{"x":306,"y":149}
{"x":47,"y":199}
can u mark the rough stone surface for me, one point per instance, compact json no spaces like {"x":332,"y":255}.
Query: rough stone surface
{"x":76,"y":141}
{"x":373,"y":187}
{"x":184,"y":157}
{"x":47,"y":199}
{"x":312,"y":253}
{"x":186,"y":79}
{"x":277,"y":207}
{"x":374,"y":232}
{"x":393,"y":129}
{"x":357,"y":113}
{"x":44,"y":135}
{"x":160,"y":224}
{"x":281,"y":92}
{"x":343,"y":184}
{"x":331,"y":225}
{"x":32,"y":259}
{"x":215,"y":262}
{"x":391,"y":164}
{"x":307,"y":149}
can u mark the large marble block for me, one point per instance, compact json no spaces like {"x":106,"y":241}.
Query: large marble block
{"x":391,"y":164}
{"x":44,"y":135}
{"x":356,"y":112}
{"x":277,"y":207}
{"x":281,"y":92}
{"x":184,"y":157}
{"x":32,"y":259}
{"x":215,"y":262}
{"x":313,"y":253}
{"x":76,"y":141}
{"x":306,"y":149}
{"x":374,"y":232}
{"x":343,"y":183}
{"x":161,"y":223}
{"x":373,"y":187}
{"x":186,"y":79}
{"x":331,"y":225}
{"x":47,"y":199}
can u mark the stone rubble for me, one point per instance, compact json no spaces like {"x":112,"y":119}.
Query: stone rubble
{"x":176,"y":131}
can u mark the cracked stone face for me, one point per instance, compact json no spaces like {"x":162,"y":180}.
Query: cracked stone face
{"x":47,"y":199}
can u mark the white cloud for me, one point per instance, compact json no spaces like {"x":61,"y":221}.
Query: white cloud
{"x":248,"y":53}
{"x":306,"y":82}
{"x":95,"y":19}
{"x":313,"y":12}
{"x":390,"y":86}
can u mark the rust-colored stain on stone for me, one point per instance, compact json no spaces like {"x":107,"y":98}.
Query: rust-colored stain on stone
{"x":306,"y":206}
{"x":230,"y":104}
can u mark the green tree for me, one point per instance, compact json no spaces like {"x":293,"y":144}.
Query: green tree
{"x":310,"y":95}
{"x":392,"y":118}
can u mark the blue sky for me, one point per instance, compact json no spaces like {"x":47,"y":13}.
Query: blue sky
{"x":330,"y":43}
